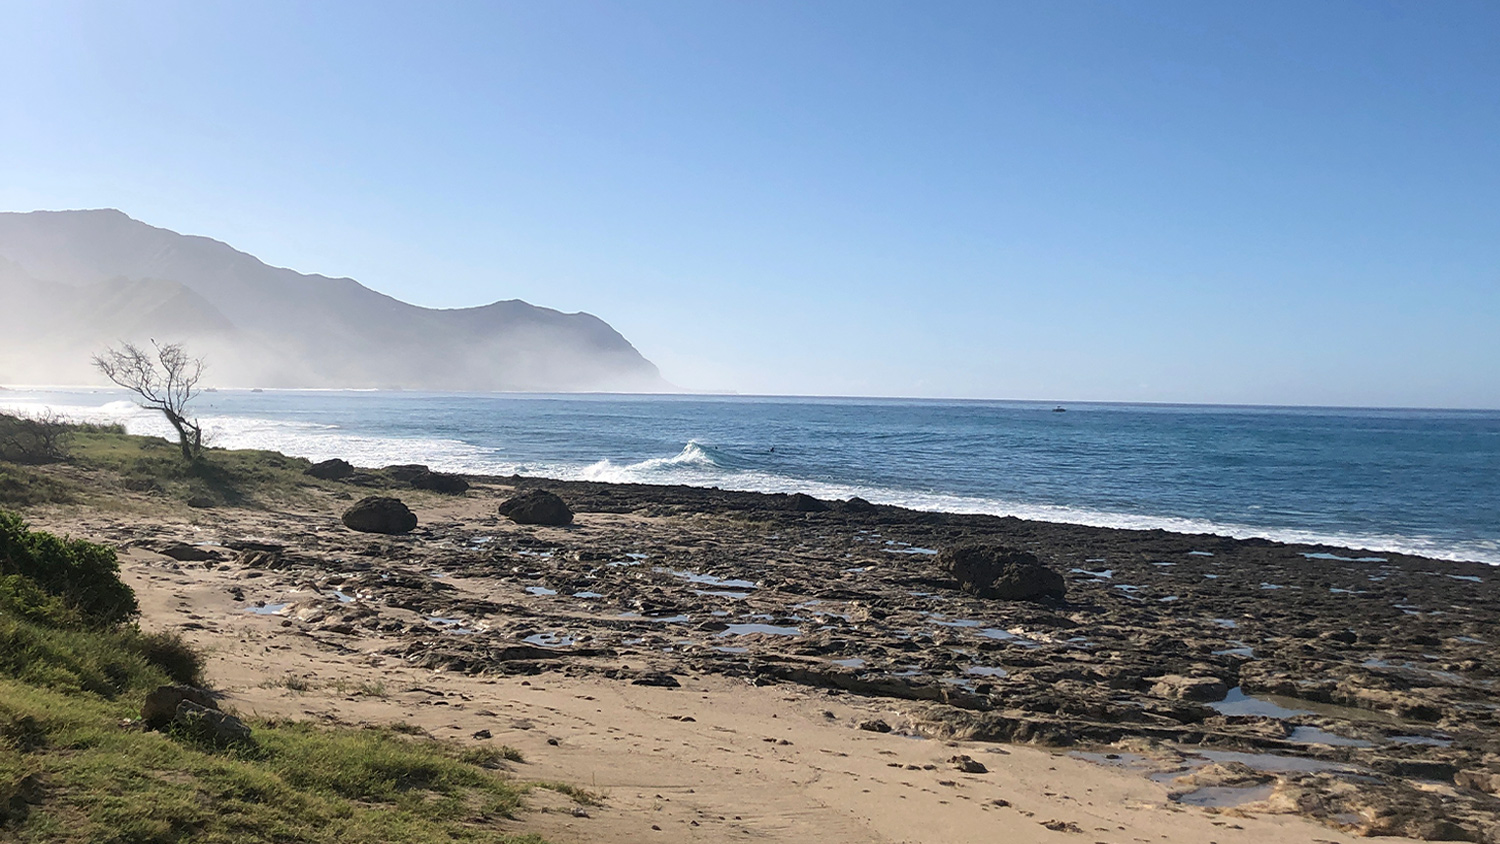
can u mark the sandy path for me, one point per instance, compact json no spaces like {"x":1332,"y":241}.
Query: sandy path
{"x":715,"y":760}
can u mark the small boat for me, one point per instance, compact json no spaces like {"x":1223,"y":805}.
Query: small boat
{"x":1059,"y":409}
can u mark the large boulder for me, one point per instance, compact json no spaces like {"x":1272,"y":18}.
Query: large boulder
{"x":209,"y":724}
{"x":997,"y":571}
{"x":379,"y":514}
{"x":537,"y":507}
{"x":330,"y":470}
{"x":161,"y":705}
{"x":439,"y":482}
{"x":404,"y":472}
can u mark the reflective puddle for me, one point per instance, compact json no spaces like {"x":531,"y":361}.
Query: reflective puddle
{"x":1224,"y":796}
{"x":768,"y":629}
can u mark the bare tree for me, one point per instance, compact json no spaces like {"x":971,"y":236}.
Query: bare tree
{"x":166,"y":381}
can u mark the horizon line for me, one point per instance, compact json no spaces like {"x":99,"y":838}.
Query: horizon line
{"x":688,"y":393}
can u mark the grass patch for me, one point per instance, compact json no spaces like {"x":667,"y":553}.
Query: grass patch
{"x":241,"y":477}
{"x":491,"y":757}
{"x":299,"y":783}
{"x":24,"y":487}
{"x":581,"y":796}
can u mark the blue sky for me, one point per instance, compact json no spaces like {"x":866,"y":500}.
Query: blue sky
{"x":1207,"y":202}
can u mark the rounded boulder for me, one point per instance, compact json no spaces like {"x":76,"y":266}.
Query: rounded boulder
{"x":330,"y":470}
{"x":379,"y":514}
{"x":537,"y":507}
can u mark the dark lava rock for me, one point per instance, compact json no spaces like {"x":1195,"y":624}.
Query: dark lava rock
{"x":161,"y":705}
{"x":405,"y":472}
{"x":537,"y":507}
{"x":969,"y":765}
{"x":201,"y":502}
{"x":378,"y":514}
{"x":997,"y":571}
{"x":801,"y":502}
{"x":439,"y":482}
{"x":330,"y":470}
{"x":656,"y":678}
{"x":184,"y":553}
{"x":857,"y":505}
{"x":875,"y":725}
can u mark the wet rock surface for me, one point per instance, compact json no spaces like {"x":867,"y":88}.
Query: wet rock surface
{"x":1354,"y":687}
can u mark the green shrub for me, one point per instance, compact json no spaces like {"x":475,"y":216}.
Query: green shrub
{"x":84,"y":575}
{"x":33,"y":439}
{"x":21,"y":597}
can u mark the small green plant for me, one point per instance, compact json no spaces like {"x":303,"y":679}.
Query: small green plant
{"x":290,"y":682}
{"x":581,"y":796}
{"x":362,"y":688}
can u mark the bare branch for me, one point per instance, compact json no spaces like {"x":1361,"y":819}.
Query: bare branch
{"x":165,"y":381}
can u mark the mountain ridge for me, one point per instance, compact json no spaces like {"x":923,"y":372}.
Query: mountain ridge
{"x":261,"y":325}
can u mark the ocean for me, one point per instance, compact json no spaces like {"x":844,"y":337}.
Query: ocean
{"x":1414,"y":481}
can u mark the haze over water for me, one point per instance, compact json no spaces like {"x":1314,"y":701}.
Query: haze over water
{"x":1415,"y":481}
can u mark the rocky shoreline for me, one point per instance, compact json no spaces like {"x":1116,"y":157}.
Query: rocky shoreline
{"x":1353,"y":687}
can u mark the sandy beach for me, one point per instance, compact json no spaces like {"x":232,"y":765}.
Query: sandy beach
{"x":726,"y":666}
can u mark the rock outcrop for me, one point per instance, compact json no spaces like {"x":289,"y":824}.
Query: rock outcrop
{"x":998,"y":571}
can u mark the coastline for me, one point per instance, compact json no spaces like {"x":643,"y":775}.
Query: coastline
{"x":847,"y":615}
{"x":1160,"y":480}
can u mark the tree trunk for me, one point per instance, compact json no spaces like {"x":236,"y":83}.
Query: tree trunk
{"x":186,"y":444}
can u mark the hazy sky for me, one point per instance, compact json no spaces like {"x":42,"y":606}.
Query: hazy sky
{"x":1215,"y":202}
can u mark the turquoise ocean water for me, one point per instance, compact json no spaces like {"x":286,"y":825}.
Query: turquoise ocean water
{"x":1416,"y":481}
